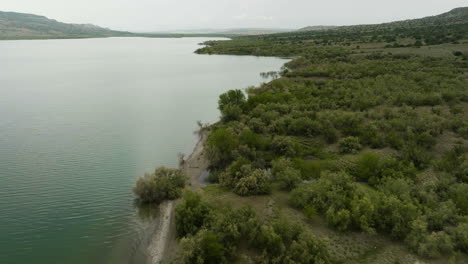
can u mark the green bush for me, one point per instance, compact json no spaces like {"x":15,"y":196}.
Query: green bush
{"x":367,"y":167}
{"x":231,"y":113}
{"x":285,"y":146}
{"x":349,"y":145}
{"x":255,"y":181}
{"x":310,"y":169}
{"x":283,"y":172}
{"x":310,"y":212}
{"x":237,"y":170}
{"x":289,"y":178}
{"x":339,"y":219}
{"x":419,"y":156}
{"x":459,"y":195}
{"x":202,"y":248}
{"x":163,"y":184}
{"x":220,"y":146}
{"x":191,"y":214}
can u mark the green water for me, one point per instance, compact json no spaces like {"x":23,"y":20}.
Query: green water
{"x":80,"y":120}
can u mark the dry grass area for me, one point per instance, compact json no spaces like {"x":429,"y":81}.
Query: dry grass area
{"x":345,"y":247}
{"x":443,"y":50}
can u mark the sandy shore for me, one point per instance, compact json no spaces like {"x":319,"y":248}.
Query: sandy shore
{"x":164,"y":244}
{"x":196,"y":165}
{"x":157,"y":248}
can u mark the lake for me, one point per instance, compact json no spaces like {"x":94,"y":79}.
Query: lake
{"x":80,"y":120}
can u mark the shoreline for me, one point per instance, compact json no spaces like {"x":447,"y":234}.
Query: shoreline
{"x":164,"y":243}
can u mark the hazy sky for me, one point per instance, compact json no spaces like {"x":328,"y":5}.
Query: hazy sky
{"x":152,"y":15}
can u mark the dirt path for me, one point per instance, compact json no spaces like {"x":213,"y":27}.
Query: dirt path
{"x":196,"y":164}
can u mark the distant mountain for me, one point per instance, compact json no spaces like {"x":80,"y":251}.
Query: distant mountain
{"x":453,"y":17}
{"x":253,"y":31}
{"x":27,"y":26}
{"x":316,"y":28}
{"x":230,"y":31}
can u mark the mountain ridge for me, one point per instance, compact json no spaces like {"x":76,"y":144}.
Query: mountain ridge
{"x":15,"y":25}
{"x":455,"y":16}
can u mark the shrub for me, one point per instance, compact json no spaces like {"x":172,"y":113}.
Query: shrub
{"x":191,"y":214}
{"x":460,"y":234}
{"x":339,"y":219}
{"x":310,"y":212}
{"x":203,"y":248}
{"x":255,"y":182}
{"x":285,"y":174}
{"x":257,"y":125}
{"x":252,"y":139}
{"x":463,"y":130}
{"x":288,"y":178}
{"x":310,"y":169}
{"x":419,"y":156}
{"x":237,"y":170}
{"x":304,"y":127}
{"x":231,"y":113}
{"x":459,"y":195}
{"x":163,"y":184}
{"x":307,"y":249}
{"x":367,"y":167}
{"x":285,"y":146}
{"x":221,"y":144}
{"x":349,"y":145}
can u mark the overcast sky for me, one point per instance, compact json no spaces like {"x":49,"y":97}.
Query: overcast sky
{"x":156,"y":15}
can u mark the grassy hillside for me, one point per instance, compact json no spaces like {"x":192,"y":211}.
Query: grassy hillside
{"x":448,"y":28}
{"x":357,"y":151}
{"x":316,"y":28}
{"x":28,"y":26}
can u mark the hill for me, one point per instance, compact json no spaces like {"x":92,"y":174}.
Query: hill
{"x":447,"y":28}
{"x":28,"y":26}
{"x":253,"y":31}
{"x":316,"y":28}
{"x":455,"y":16}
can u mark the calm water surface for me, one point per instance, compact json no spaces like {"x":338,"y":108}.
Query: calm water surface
{"x":80,"y":120}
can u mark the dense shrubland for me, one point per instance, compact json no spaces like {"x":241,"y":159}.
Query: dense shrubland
{"x":374,"y":143}
{"x":369,"y":141}
{"x":448,"y":28}
{"x":211,"y":234}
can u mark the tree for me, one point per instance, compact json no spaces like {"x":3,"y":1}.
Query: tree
{"x":231,"y":105}
{"x":232,"y":97}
